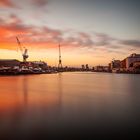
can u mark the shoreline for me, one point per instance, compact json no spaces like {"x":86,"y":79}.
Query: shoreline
{"x":39,"y":73}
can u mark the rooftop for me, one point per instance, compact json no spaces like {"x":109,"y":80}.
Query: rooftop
{"x":9,"y":60}
{"x":134,"y":55}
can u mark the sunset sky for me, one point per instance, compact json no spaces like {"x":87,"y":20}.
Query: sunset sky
{"x":89,"y":31}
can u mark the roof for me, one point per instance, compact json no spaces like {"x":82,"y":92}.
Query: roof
{"x":2,"y":60}
{"x":134,"y":55}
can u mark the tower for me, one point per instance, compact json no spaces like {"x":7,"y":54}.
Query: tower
{"x":60,"y":61}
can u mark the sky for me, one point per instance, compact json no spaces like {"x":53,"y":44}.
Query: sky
{"x":90,"y":31}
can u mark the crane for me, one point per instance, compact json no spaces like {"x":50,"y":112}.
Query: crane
{"x":60,"y":61}
{"x":23,"y":50}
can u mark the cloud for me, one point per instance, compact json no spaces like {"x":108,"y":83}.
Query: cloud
{"x":40,"y":2}
{"x":79,"y":39}
{"x":133,"y":43}
{"x":6,"y":3}
{"x":84,"y":35}
{"x":15,"y":19}
{"x":44,"y":35}
{"x":1,"y":21}
{"x":13,"y":24}
{"x":102,"y":39}
{"x":28,"y":33}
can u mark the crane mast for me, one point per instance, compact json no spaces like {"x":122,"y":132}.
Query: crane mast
{"x":60,"y":61}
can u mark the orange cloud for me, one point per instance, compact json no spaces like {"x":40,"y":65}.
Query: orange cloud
{"x":44,"y":37}
{"x":31,"y":35}
{"x":6,"y":3}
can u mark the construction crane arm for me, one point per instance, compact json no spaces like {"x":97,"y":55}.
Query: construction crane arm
{"x":19,"y":44}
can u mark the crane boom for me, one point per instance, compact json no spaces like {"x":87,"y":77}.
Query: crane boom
{"x":19,"y":44}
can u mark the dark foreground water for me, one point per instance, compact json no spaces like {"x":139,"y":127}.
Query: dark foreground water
{"x":69,"y":106}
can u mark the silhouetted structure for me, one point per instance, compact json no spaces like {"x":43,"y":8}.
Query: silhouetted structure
{"x":83,"y":67}
{"x":87,"y":67}
{"x":9,"y":62}
{"x":60,"y":61}
{"x":23,"y":50}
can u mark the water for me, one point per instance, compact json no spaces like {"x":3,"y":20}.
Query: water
{"x":68,"y":105}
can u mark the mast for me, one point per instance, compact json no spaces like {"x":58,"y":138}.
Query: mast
{"x":60,"y":61}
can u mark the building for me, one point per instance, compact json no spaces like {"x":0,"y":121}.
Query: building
{"x":39,"y":64}
{"x":87,"y":67}
{"x":101,"y":68}
{"x":98,"y":68}
{"x":109,"y":66}
{"x":131,"y":59}
{"x":123,"y":64}
{"x":136,"y":65}
{"x":115,"y":64}
{"x":83,"y":67}
{"x":9,"y":62}
{"x":106,"y":68}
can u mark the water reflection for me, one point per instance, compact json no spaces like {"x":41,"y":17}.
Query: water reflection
{"x":57,"y":104}
{"x":60,"y":90}
{"x":25,"y":90}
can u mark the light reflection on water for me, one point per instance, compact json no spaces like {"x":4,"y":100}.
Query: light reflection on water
{"x":71,"y":103}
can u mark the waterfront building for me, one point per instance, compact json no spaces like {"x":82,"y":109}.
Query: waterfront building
{"x":101,"y":68}
{"x":123,"y":64}
{"x":87,"y":67}
{"x":129,"y":64}
{"x":115,"y":64}
{"x":131,"y":59}
{"x":40,"y":64}
{"x":9,"y":62}
{"x":136,"y":65}
{"x":106,"y":68}
{"x":83,"y":67}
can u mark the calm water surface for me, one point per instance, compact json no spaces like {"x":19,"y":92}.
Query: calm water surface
{"x":69,"y":104}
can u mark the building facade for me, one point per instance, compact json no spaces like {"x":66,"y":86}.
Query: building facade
{"x":115,"y":64}
{"x":131,"y":59}
{"x":9,"y":62}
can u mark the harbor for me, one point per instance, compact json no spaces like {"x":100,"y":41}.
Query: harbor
{"x":69,"y":69}
{"x":69,"y":104}
{"x":25,"y":67}
{"x":130,"y":65}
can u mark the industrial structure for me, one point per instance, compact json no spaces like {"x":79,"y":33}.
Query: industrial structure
{"x":130,"y":64}
{"x":13,"y":66}
{"x":23,"y":50}
{"x":60,"y":61}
